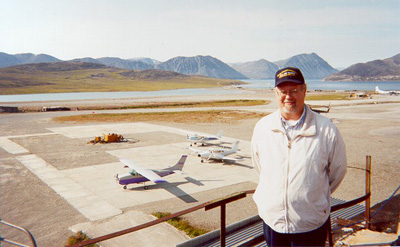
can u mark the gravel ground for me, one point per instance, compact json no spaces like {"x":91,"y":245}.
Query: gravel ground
{"x":372,"y":129}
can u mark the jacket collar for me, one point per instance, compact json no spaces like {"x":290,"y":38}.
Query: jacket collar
{"x":309,"y":127}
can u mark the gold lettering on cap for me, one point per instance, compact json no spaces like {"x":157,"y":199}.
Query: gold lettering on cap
{"x":286,"y":72}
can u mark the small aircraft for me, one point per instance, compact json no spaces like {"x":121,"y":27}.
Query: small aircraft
{"x":218,"y":154}
{"x":320,"y":108}
{"x":377,"y":90}
{"x":140,"y":174}
{"x":196,"y":138}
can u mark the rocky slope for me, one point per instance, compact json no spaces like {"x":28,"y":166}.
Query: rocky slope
{"x":312,"y":66}
{"x":261,"y":69}
{"x":377,"y":70}
{"x":201,"y":65}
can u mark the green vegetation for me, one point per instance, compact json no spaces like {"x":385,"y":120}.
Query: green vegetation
{"x":77,"y":238}
{"x":180,"y":117}
{"x":328,"y":96}
{"x":38,"y":78}
{"x":183,"y":104}
{"x":182,"y":225}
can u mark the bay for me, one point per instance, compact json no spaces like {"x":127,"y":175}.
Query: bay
{"x":329,"y":86}
{"x":113,"y":95}
{"x":252,"y":84}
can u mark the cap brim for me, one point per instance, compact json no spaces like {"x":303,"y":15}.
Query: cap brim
{"x":290,"y":80}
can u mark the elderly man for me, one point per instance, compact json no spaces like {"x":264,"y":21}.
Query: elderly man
{"x":300,"y":157}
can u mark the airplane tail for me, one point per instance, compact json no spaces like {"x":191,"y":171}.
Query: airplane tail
{"x":236,"y":146}
{"x":178,"y":166}
{"x":376,"y":89}
{"x":219,"y":134}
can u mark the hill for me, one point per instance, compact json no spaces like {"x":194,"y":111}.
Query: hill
{"x":93,"y":77}
{"x":7,"y":60}
{"x":201,"y":65}
{"x":311,"y":65}
{"x":377,"y":70}
{"x":261,"y":69}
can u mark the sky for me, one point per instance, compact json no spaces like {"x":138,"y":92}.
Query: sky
{"x":342,"y":32}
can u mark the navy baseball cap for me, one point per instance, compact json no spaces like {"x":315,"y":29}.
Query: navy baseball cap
{"x":289,"y":74}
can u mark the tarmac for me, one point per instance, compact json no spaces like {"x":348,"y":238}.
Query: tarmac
{"x":83,"y":175}
{"x":93,"y":191}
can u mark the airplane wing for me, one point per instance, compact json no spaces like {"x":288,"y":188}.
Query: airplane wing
{"x":231,"y":159}
{"x":149,"y":174}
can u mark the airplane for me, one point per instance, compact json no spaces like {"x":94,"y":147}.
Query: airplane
{"x":377,"y":90}
{"x":319,"y":108}
{"x":218,"y":154}
{"x":140,"y":174}
{"x":196,"y":138}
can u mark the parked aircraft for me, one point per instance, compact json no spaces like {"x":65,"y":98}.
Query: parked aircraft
{"x":218,"y":154}
{"x":377,"y":90}
{"x":196,"y":138}
{"x":140,"y":174}
{"x":320,"y":108}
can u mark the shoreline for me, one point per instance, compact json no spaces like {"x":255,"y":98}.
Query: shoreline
{"x":261,"y":94}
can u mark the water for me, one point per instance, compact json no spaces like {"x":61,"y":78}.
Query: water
{"x":253,"y":84}
{"x":112,"y":95}
{"x":324,"y":85}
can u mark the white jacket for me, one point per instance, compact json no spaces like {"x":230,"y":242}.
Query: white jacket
{"x":297,"y":177}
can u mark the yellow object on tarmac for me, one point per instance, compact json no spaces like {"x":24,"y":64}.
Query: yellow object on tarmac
{"x":113,"y":138}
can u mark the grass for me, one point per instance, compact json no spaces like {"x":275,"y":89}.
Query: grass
{"x":179,"y":117}
{"x":333,"y":96}
{"x":78,"y":238}
{"x":182,"y":225}
{"x":183,"y":104}
{"x":16,"y":80}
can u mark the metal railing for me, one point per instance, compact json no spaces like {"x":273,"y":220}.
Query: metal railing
{"x":20,"y":229}
{"x":234,"y":197}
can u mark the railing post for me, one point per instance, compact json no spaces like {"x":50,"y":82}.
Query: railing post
{"x":368,"y":191}
{"x":330,"y":237}
{"x":223,"y":224}
{"x":222,"y":203}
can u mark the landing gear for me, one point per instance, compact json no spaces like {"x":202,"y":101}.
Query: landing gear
{"x":146,"y":187}
{"x":125,"y":187}
{"x":202,"y":161}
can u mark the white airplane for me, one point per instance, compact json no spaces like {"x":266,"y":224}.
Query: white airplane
{"x":140,"y":174}
{"x":218,"y":154}
{"x":377,"y":90}
{"x":196,"y":138}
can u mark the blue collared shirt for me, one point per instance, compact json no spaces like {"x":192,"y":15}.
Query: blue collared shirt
{"x":292,"y":127}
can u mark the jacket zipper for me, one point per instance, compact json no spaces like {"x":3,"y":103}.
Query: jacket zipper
{"x":287,"y":187}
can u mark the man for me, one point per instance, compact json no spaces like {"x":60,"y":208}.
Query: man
{"x":300,"y":157}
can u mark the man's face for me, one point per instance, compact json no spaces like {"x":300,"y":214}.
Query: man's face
{"x":290,"y":98}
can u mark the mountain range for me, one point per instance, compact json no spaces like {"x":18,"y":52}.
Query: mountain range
{"x":312,"y":66}
{"x":377,"y":70}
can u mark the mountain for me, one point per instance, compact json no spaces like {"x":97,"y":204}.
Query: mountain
{"x":378,"y":70}
{"x":7,"y":60}
{"x":76,"y":76}
{"x":124,"y":64}
{"x":86,"y":60}
{"x":201,"y":65}
{"x":146,"y":60}
{"x":25,"y":58}
{"x":57,"y":66}
{"x":261,"y":69}
{"x":311,"y":65}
